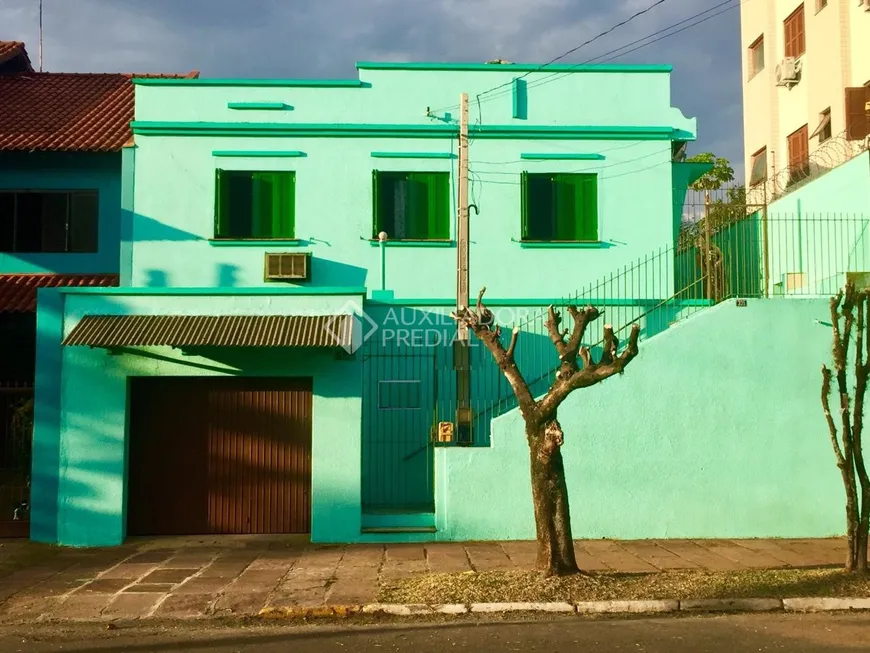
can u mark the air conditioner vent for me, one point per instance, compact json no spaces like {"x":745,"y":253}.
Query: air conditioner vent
{"x":288,"y":267}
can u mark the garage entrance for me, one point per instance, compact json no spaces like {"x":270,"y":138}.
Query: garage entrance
{"x":219,"y":456}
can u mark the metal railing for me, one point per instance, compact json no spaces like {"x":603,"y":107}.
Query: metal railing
{"x":747,"y":253}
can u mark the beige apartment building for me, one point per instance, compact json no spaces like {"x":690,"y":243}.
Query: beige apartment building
{"x":806,"y":87}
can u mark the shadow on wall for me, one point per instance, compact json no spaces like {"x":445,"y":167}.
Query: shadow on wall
{"x":147,"y":229}
{"x":97,"y":467}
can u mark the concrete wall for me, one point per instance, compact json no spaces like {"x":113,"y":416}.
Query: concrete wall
{"x":713,"y":431}
{"x":821,"y":230}
{"x":73,"y":171}
{"x":80,"y":439}
{"x":173,"y":220}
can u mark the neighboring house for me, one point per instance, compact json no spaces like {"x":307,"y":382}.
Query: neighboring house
{"x":225,"y":386}
{"x":61,"y":137}
{"x":806,"y":88}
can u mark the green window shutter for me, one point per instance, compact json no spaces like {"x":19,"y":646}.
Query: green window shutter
{"x":576,"y":214}
{"x":221,"y":205}
{"x":524,"y":206}
{"x":376,"y":214}
{"x":566,"y":192}
{"x":273,"y":205}
{"x":587,"y":207}
{"x":439,"y":206}
{"x":418,"y":205}
{"x":429,"y":200}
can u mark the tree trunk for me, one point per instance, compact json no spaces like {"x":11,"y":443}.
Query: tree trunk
{"x":550,"y":497}
{"x":861,"y":536}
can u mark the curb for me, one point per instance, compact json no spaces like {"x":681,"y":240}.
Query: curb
{"x":694,"y":606}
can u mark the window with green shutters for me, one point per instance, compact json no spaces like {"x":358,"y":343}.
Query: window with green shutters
{"x":255,"y":205}
{"x":411,"y":205}
{"x":559,"y":207}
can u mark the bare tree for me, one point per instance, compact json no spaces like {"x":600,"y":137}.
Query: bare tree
{"x":544,"y":434}
{"x":848,"y":312}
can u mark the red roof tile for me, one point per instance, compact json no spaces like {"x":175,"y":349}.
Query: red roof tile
{"x":14,"y":49}
{"x":18,"y":291}
{"x":71,"y":112}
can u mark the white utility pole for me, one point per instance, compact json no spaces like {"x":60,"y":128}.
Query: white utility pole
{"x":461,"y":356}
{"x":462,"y":218}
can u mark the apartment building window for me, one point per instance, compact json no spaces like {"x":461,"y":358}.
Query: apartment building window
{"x":821,"y":4}
{"x":795,"y":34}
{"x":823,"y":131}
{"x":559,"y":207}
{"x":49,"y":221}
{"x":857,"y":117}
{"x":799,"y":154}
{"x":411,"y":205}
{"x":758,"y":167}
{"x":756,"y":57}
{"x":255,"y":205}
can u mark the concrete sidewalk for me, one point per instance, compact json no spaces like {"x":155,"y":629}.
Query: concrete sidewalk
{"x":239,"y":576}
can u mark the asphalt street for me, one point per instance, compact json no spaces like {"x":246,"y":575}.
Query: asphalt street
{"x":813,"y":633}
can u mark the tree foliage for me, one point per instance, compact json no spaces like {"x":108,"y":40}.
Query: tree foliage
{"x":719,"y":175}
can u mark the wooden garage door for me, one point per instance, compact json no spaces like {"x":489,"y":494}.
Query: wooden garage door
{"x":219,"y":455}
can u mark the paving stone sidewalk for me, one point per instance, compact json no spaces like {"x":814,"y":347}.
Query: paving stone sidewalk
{"x":239,"y":576}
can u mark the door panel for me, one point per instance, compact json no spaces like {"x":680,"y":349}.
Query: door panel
{"x":219,"y":455}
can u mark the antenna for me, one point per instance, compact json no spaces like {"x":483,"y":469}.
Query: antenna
{"x":40,"y":35}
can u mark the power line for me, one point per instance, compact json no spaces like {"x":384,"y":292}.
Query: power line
{"x":567,"y":52}
{"x":616,"y":53}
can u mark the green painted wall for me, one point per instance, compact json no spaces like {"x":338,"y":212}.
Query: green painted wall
{"x":80,"y":439}
{"x":715,"y":430}
{"x":67,"y":171}
{"x":822,"y":229}
{"x":174,"y":177}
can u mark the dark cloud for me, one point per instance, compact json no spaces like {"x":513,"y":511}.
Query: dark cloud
{"x":323,"y":38}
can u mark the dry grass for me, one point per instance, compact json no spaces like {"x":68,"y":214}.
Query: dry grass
{"x":523,"y":586}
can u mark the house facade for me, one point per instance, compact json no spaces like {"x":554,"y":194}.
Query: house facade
{"x":280,"y":344}
{"x":61,"y":141}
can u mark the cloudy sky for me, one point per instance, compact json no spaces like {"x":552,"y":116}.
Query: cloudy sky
{"x":323,"y":38}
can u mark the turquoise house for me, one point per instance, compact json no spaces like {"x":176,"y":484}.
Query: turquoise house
{"x":271,"y":363}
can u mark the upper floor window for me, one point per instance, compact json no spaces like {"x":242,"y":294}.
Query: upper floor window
{"x":758,"y":167}
{"x":823,"y":131}
{"x":821,"y":4}
{"x":559,"y":207}
{"x":795,"y":34}
{"x":255,"y":205}
{"x":411,"y":205}
{"x":48,"y":221}
{"x":756,"y":57}
{"x":799,"y":154}
{"x":857,"y":116}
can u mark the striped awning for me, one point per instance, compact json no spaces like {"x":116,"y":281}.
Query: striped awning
{"x":110,"y":331}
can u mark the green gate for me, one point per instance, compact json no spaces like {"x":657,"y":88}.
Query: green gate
{"x":399,"y":399}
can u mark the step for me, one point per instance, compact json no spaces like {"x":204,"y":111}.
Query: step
{"x":399,"y":529}
{"x":398,"y":521}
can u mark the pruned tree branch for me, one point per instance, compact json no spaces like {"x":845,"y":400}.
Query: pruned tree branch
{"x":482,"y":324}
{"x":610,"y":364}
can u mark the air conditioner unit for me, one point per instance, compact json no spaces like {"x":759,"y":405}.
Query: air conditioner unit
{"x":288,"y":267}
{"x":788,"y":72}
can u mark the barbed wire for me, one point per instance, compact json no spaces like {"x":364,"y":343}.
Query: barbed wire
{"x":831,"y":153}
